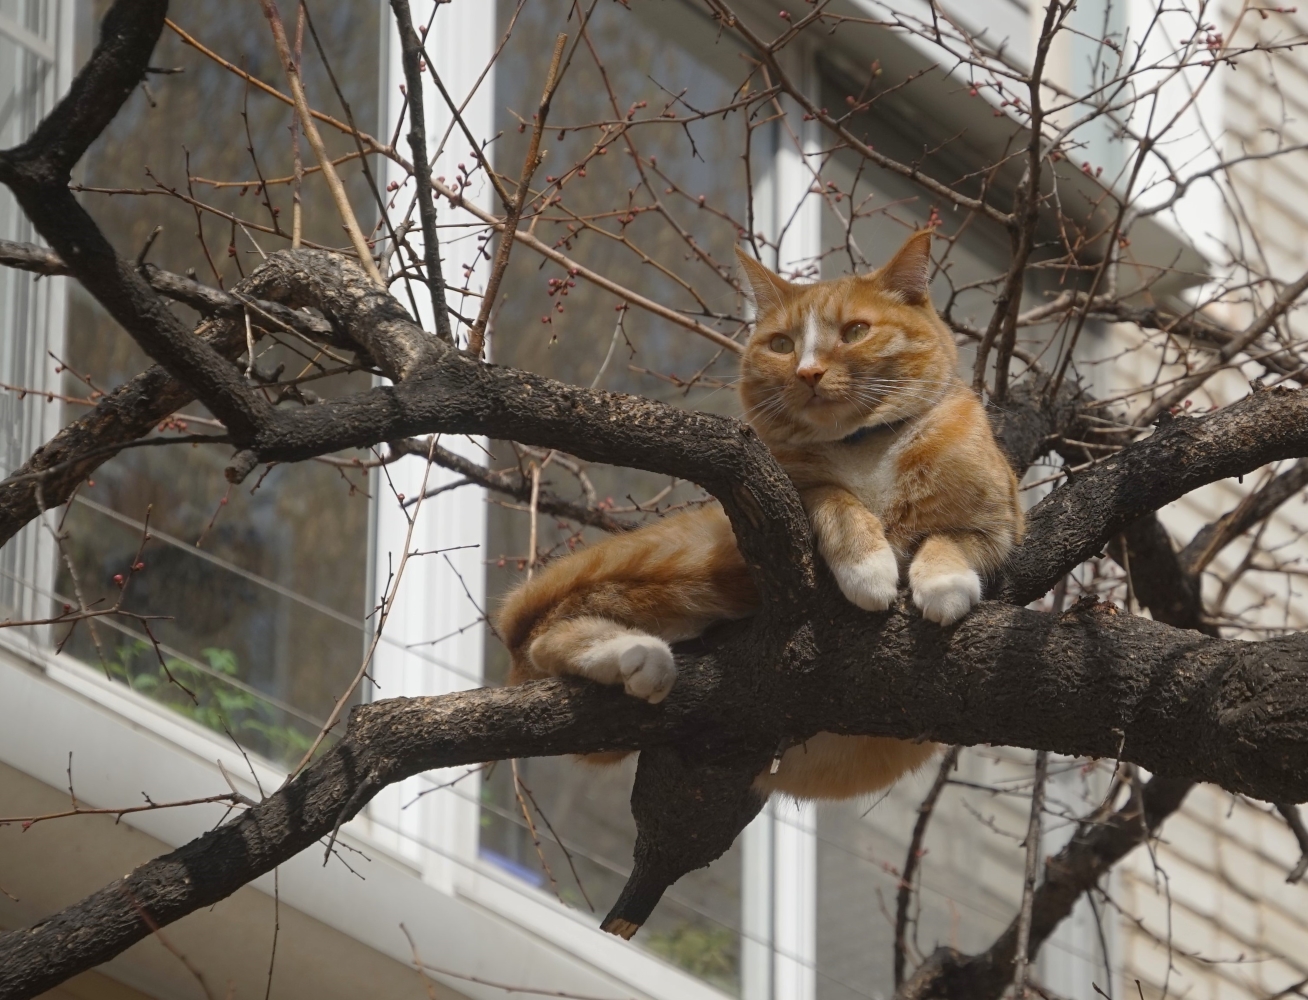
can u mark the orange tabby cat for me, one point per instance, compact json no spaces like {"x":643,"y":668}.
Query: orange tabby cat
{"x":853,"y":385}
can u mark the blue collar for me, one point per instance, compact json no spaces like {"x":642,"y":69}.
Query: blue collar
{"x":865,"y":432}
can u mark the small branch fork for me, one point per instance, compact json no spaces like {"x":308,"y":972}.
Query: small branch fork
{"x":477,"y":336}
{"x":228,"y":798}
{"x":411,"y":57}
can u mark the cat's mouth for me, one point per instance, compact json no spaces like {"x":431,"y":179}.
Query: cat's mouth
{"x":818,"y":400}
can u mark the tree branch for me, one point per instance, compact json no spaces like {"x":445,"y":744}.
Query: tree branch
{"x":477,"y":335}
{"x":1252,"y":509}
{"x":1184,"y":453}
{"x":136,"y":407}
{"x":38,"y":173}
{"x":511,"y":485}
{"x":1098,"y":844}
{"x":204,"y":299}
{"x":1091,"y":682}
{"x":441,"y":390}
{"x":410,"y":49}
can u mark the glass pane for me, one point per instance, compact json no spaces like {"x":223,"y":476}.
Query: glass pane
{"x":868,"y":212}
{"x":566,"y":333}
{"x":26,"y":86}
{"x":969,"y":885}
{"x":263,"y":586}
{"x":34,"y":16}
{"x":971,"y":866}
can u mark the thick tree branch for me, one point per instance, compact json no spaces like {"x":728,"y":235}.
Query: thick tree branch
{"x":1076,"y":521}
{"x":1098,"y":844}
{"x":1091,"y":682}
{"x":1159,"y":578}
{"x":38,"y":173}
{"x":204,"y":299}
{"x":441,"y":390}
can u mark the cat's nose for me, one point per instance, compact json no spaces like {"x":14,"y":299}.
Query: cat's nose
{"x":812,"y":374}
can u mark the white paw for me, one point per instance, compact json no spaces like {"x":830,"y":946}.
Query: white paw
{"x":643,"y":664}
{"x":870,"y":583}
{"x":948,"y":597}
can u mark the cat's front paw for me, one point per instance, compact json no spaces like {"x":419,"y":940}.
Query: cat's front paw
{"x":947,"y":597}
{"x":643,"y":664}
{"x":872,"y":582}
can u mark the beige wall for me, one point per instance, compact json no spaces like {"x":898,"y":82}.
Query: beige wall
{"x":1213,"y":903}
{"x":93,"y":986}
{"x":1207,"y":914}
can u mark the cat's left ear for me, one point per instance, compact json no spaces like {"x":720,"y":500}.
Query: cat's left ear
{"x":907,"y":274}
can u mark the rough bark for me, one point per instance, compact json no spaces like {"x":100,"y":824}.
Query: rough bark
{"x":1159,"y":579}
{"x":205,"y":299}
{"x":1092,"y":682}
{"x":1098,"y":844}
{"x":1183,"y":454}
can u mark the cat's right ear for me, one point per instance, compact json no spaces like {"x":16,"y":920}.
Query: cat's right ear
{"x":765,"y":289}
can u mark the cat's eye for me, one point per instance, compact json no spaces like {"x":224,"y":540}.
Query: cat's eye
{"x":781,"y":344}
{"x":854,"y":332}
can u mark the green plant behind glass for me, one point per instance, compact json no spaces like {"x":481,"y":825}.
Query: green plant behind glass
{"x":711,"y":953}
{"x":216,"y":704}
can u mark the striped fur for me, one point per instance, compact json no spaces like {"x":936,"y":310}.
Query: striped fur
{"x":921,"y":486}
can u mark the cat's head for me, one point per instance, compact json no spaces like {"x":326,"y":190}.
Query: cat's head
{"x":829,"y":358}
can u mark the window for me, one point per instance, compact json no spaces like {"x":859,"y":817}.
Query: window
{"x":792,"y":909}
{"x":971,"y":860}
{"x":555,"y":325}
{"x":263,"y":586}
{"x":31,"y":311}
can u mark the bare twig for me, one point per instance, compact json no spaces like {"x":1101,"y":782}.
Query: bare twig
{"x":341,"y":199}
{"x":410,"y":57}
{"x":477,"y":336}
{"x":1022,"y":959}
{"x":904,"y":897}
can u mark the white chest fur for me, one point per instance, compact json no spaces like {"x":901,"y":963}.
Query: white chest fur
{"x":867,"y":468}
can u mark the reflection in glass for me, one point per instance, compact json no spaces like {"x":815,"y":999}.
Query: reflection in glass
{"x":262,"y":587}
{"x":605,"y":221}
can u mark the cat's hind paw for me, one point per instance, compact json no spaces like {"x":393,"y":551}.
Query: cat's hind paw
{"x":947,"y":597}
{"x":643,"y":664}
{"x":648,"y":670}
{"x":872,"y":582}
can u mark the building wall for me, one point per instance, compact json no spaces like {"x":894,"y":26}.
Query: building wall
{"x":1207,"y":913}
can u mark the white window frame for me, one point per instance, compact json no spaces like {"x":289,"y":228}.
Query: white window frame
{"x":33,"y":548}
{"x":779,"y":864}
{"x":441,"y":834}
